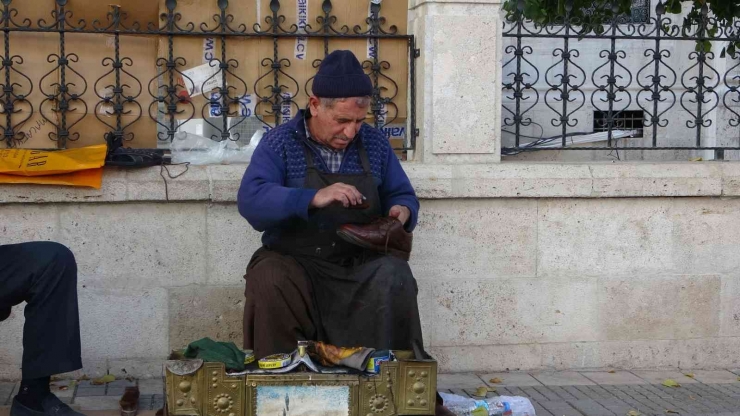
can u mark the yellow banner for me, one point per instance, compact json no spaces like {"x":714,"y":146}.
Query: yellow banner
{"x":28,"y":162}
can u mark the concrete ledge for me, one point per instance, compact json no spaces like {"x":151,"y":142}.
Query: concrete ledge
{"x":504,"y":180}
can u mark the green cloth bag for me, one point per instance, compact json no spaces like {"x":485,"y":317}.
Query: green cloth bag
{"x":209,"y":350}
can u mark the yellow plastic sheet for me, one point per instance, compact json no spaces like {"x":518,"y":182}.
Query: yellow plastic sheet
{"x":73,"y":167}
{"x":28,"y":162}
{"x":92,"y":178}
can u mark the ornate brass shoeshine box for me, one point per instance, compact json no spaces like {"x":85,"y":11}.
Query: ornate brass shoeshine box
{"x":403,"y":387}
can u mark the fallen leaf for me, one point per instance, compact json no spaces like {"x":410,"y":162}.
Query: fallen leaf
{"x":670,"y":383}
{"x":689,"y":375}
{"x":738,"y":379}
{"x":496,"y":380}
{"x":671,"y":411}
{"x":692,"y":397}
{"x":63,"y":388}
{"x":492,"y":389}
{"x":696,"y":159}
{"x":633,"y":413}
{"x":481,"y":392}
{"x":612,"y":371}
{"x":105,"y":379}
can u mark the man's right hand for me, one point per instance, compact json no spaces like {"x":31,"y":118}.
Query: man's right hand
{"x":345,"y":194}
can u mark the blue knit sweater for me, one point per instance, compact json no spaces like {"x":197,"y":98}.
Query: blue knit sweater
{"x":272,"y":195}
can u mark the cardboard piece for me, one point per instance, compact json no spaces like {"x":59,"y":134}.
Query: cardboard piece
{"x":350,"y":14}
{"x":141,"y":11}
{"x":96,"y":54}
{"x":26,"y":116}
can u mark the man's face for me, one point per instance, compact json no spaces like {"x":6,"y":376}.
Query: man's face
{"x":338,"y":125}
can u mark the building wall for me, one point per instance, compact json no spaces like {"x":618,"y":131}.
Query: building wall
{"x":519,"y":266}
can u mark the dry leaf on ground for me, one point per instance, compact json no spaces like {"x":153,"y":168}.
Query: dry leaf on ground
{"x":481,"y":391}
{"x":496,"y":380}
{"x":105,"y":379}
{"x":634,"y":413}
{"x":670,"y":383}
{"x":689,"y":375}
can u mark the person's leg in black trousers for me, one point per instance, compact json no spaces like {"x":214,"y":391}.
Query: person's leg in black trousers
{"x":44,"y":275}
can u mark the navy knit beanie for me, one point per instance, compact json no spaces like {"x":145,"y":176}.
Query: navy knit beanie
{"x":340,"y":76}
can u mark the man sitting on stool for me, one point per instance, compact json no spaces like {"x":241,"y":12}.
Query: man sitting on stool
{"x":44,"y":275}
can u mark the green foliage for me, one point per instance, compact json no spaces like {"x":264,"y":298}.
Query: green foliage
{"x":723,"y":14}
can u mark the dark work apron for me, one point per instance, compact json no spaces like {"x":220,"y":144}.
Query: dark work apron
{"x":362,"y":298}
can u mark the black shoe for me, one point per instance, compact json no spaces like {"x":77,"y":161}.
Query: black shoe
{"x":52,"y":407}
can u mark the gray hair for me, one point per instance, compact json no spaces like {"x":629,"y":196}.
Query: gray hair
{"x":360,"y":101}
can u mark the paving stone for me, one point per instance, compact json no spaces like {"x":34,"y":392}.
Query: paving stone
{"x":658,"y":377}
{"x":715,"y":377}
{"x":576,"y":392}
{"x":145,"y":401}
{"x":616,"y":406}
{"x":549,"y":394}
{"x":539,"y":410}
{"x":618,"y":377}
{"x":97,"y":402}
{"x":560,"y":408}
{"x":157,"y":401}
{"x":590,"y":408}
{"x":151,"y":386}
{"x":86,"y":389}
{"x":511,"y":379}
{"x":562,"y":393}
{"x":531,"y":393}
{"x":458,"y":381}
{"x":562,"y":378}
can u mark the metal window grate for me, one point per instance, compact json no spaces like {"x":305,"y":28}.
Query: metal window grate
{"x":623,"y":120}
{"x":121,"y":100}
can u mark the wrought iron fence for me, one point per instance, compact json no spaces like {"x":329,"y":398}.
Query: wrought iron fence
{"x":679,"y":74}
{"x":124,"y":100}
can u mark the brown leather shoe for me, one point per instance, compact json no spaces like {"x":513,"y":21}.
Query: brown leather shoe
{"x":384,"y":235}
{"x":129,"y":402}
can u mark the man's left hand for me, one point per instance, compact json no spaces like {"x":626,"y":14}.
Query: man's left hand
{"x":401,"y":213}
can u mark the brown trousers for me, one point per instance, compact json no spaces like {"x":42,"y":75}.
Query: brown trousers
{"x":372,"y":304}
{"x":278,"y":310}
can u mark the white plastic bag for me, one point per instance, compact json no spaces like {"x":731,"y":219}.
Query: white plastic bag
{"x":198,"y":150}
{"x":500,"y":405}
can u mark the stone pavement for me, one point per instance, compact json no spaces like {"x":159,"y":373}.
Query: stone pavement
{"x":85,"y":396}
{"x":618,"y":393}
{"x":563,"y":393}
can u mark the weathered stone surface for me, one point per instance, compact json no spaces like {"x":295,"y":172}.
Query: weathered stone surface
{"x":673,"y":307}
{"x":521,"y":180}
{"x":148,"y":367}
{"x":23,"y":223}
{"x":709,"y":353}
{"x":730,"y":307}
{"x":487,"y":358}
{"x":116,"y":324}
{"x":474,"y":238}
{"x":596,"y":238}
{"x":205,"y":311}
{"x":513,"y":311}
{"x":430,"y":182}
{"x":11,"y":344}
{"x":136,"y":246}
{"x":225,"y":181}
{"x":149,"y":184}
{"x":231,"y":242}
{"x":562,"y":378}
{"x":662,"y":179}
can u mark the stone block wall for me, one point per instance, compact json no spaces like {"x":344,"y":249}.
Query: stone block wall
{"x":519,"y":266}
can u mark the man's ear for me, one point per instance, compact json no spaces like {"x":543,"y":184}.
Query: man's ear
{"x":313,"y":105}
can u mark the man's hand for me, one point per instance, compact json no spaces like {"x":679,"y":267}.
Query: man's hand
{"x":345,"y":194}
{"x":401,"y":213}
